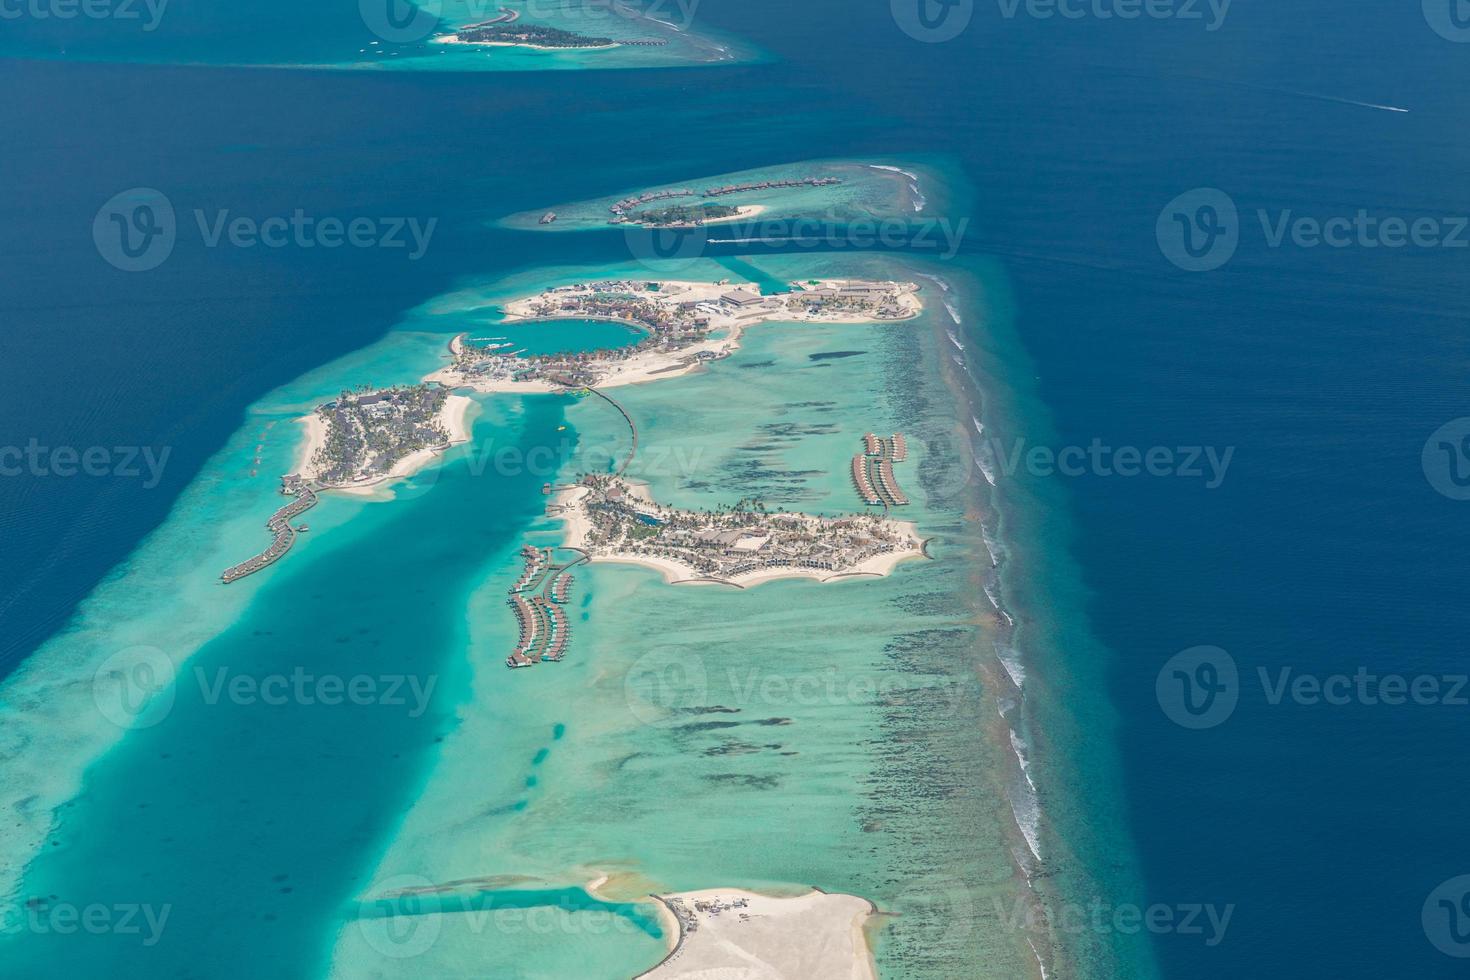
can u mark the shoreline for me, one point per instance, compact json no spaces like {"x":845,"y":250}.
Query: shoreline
{"x":655,"y":365}
{"x":577,"y":525}
{"x":867,"y":189}
{"x":454,"y":416}
{"x":816,"y":936}
{"x":743,"y":211}
{"x":456,"y":39}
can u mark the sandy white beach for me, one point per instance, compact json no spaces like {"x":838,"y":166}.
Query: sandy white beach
{"x":817,"y":936}
{"x":568,"y":504}
{"x":742,"y":212}
{"x":656,"y":365}
{"x":454,"y":416}
{"x":456,"y":39}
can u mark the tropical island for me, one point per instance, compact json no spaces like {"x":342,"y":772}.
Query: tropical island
{"x":514,"y":34}
{"x":684,"y":324}
{"x":361,"y":439}
{"x":822,"y":192}
{"x":615,"y":520}
{"x":688,"y":215}
{"x":368,"y":435}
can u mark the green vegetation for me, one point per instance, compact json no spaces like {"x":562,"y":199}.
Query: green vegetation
{"x":684,"y":214}
{"x":537,"y":34}
{"x":369,"y":431}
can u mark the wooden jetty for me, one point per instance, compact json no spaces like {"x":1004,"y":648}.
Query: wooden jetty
{"x":283,"y":534}
{"x":872,"y":470}
{"x":538,"y":600}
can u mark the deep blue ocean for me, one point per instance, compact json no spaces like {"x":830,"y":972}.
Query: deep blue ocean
{"x":1324,"y":549}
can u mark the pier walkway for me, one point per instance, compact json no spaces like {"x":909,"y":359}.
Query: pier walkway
{"x":284,"y":535}
{"x":538,"y":599}
{"x":872,"y":470}
{"x":632,"y":426}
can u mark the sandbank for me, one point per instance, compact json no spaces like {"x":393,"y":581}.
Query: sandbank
{"x":729,"y":932}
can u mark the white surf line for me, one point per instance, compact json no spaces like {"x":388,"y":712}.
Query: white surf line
{"x":1335,"y":98}
{"x":1318,"y":96}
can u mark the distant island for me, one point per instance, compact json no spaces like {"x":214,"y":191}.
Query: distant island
{"x":822,"y":193}
{"x":685,"y":324}
{"x":615,"y":520}
{"x":624,"y":211}
{"x":530,"y":36}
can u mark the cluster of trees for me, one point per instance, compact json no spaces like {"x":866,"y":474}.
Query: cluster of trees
{"x":538,"y":34}
{"x":684,"y":214}
{"x":368,"y":431}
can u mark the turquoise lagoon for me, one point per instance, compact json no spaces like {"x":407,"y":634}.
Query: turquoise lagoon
{"x":865,"y":734}
{"x":556,"y":336}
